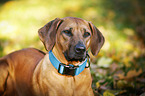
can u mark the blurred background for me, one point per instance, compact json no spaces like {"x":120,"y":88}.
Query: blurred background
{"x":119,"y":68}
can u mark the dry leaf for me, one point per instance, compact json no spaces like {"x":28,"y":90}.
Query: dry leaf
{"x":130,"y":74}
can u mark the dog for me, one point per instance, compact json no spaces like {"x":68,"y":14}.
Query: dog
{"x":62,"y":71}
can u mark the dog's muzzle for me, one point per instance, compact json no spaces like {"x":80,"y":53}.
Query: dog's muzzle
{"x":80,"y":48}
{"x":76,"y":53}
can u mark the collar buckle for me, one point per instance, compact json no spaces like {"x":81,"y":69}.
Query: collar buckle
{"x":67,"y":69}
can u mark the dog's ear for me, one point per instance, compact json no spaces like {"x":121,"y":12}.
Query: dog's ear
{"x":47,"y":34}
{"x":97,"y":40}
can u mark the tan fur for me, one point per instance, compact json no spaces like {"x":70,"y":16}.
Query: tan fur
{"x":29,"y":72}
{"x":60,"y":85}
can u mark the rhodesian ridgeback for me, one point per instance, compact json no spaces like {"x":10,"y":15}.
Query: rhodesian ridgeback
{"x":62,"y":71}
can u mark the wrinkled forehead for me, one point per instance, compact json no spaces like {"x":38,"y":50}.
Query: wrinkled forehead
{"x":76,"y":23}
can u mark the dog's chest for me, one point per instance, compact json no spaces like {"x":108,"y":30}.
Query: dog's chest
{"x":48,"y":82}
{"x":64,"y":85}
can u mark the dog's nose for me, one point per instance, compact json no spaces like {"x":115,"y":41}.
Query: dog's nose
{"x":80,"y":48}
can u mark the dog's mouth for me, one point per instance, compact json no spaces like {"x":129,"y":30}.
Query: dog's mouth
{"x":72,"y":56}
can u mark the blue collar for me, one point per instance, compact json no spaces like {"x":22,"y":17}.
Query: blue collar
{"x":67,"y":69}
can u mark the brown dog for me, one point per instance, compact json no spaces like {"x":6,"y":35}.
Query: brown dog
{"x":31,"y":72}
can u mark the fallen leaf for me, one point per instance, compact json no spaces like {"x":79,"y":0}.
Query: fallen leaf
{"x":107,"y":93}
{"x":130,"y":74}
{"x":113,"y":92}
{"x":97,"y":85}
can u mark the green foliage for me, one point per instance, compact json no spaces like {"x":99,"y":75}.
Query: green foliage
{"x":119,"y":67}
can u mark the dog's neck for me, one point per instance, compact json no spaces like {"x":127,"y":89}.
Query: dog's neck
{"x":60,"y":56}
{"x":67,"y":69}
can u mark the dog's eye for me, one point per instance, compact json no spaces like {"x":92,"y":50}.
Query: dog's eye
{"x":67,"y":32}
{"x":86,"y":34}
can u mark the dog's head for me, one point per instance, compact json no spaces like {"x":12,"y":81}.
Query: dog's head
{"x":73,"y":36}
